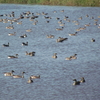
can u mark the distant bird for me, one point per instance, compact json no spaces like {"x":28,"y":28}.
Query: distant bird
{"x":29,"y":30}
{"x":9,"y":73}
{"x":34,"y":77}
{"x":25,"y":44}
{"x":16,"y":56}
{"x":76,"y":82}
{"x":82,"y":80}
{"x":60,"y":39}
{"x":30,"y":53}
{"x":68,"y":58}
{"x":6,"y":45}
{"x":19,"y":22}
{"x":12,"y":34}
{"x":23,"y":36}
{"x":73,"y":34}
{"x":50,"y":36}
{"x":92,"y":40}
{"x":19,"y":76}
{"x":30,"y":80}
{"x":54,"y":55}
{"x":59,"y":28}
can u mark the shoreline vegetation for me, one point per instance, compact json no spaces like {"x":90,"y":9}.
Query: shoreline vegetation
{"x":84,"y":3}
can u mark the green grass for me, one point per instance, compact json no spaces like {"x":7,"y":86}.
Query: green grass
{"x":93,"y":3}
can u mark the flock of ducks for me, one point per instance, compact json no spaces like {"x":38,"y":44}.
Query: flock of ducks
{"x":30,"y":79}
{"x":60,"y":39}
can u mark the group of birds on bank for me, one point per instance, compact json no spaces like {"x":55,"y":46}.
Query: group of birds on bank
{"x":30,"y":79}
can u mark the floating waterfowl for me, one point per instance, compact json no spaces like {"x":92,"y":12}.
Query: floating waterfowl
{"x":19,"y":76}
{"x":50,"y":36}
{"x":82,"y":80}
{"x":16,"y":56}
{"x":76,"y":82}
{"x":60,"y":39}
{"x":30,"y":80}
{"x":30,"y":53}
{"x":6,"y":45}
{"x":73,"y":57}
{"x":25,"y":44}
{"x":73,"y":34}
{"x":68,"y":58}
{"x":9,"y":73}
{"x":54,"y":55}
{"x":92,"y":40}
{"x":10,"y":34}
{"x":23,"y":36}
{"x":29,"y":30}
{"x":59,"y":28}
{"x":34,"y":77}
{"x":10,"y":27}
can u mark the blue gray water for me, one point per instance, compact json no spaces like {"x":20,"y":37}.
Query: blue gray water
{"x":56,"y":75}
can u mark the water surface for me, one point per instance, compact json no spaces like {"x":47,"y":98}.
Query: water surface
{"x":56,"y":74}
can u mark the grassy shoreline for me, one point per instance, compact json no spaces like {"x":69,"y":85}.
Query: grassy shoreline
{"x":90,"y":3}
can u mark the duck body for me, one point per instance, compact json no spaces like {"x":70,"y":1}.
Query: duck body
{"x":82,"y":80}
{"x":9,"y":73}
{"x":92,"y":40}
{"x":30,"y":80}
{"x":54,"y":55}
{"x":30,"y":53}
{"x":19,"y":76}
{"x":23,"y":36}
{"x":6,"y":45}
{"x":16,"y":56}
{"x":34,"y":77}
{"x":25,"y":44}
{"x":60,"y":39}
{"x":10,"y":34}
{"x":76,"y":82}
{"x":50,"y":36}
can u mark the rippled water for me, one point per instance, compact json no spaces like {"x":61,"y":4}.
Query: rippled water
{"x":56,"y":75}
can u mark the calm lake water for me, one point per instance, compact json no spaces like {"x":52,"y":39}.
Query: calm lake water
{"x":56,"y":75}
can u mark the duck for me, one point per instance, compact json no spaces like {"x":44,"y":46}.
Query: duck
{"x":16,"y":56}
{"x":54,"y":55}
{"x":92,"y":40}
{"x":50,"y":36}
{"x":68,"y":58}
{"x":19,"y":22}
{"x":30,"y":80}
{"x":73,"y":34}
{"x":6,"y":45}
{"x":60,"y":39}
{"x":10,"y":27}
{"x":34,"y":77}
{"x":30,"y":53}
{"x":23,"y":36}
{"x":29,"y":30}
{"x":19,"y":76}
{"x":76,"y":82}
{"x":87,"y":24}
{"x":74,"y":56}
{"x":9,"y":73}
{"x":59,"y":28}
{"x":11,"y":34}
{"x":82,"y":80}
{"x":25,"y":44}
{"x":62,"y":24}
